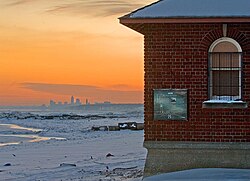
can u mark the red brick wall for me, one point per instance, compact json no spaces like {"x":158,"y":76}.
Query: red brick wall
{"x":176,"y":57}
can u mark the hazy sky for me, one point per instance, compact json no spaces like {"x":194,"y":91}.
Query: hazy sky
{"x":52,"y":49}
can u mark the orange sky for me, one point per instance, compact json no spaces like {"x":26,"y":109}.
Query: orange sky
{"x":55,"y":49}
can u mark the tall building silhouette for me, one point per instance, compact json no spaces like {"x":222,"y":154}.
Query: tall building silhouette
{"x":78,"y":102}
{"x":87,"y":102}
{"x":72,"y":100}
{"x":52,"y":103}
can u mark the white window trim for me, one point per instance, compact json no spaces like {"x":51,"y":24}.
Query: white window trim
{"x":225,"y":39}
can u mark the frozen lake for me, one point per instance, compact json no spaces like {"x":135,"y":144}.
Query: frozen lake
{"x":37,"y":151}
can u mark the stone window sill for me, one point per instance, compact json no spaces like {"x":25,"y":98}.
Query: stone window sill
{"x":224,"y":104}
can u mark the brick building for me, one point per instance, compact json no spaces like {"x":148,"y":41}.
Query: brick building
{"x":197,"y":83}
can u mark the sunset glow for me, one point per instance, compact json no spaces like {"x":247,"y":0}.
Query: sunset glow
{"x":69,"y":45}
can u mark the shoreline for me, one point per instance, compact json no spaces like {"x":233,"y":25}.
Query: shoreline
{"x":17,"y":135}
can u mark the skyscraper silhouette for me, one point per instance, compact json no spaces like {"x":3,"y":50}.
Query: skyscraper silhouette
{"x":72,"y":100}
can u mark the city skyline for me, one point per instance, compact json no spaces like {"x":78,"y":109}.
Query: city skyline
{"x":74,"y":102}
{"x":55,"y":49}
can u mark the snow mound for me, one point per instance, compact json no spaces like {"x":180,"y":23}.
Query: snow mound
{"x":204,"y":174}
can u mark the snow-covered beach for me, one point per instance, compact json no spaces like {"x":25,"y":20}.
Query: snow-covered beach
{"x":46,"y":146}
{"x":62,"y":146}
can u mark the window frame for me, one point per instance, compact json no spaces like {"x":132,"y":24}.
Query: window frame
{"x":210,"y":77}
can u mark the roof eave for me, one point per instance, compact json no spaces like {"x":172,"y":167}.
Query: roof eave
{"x":125,"y":20}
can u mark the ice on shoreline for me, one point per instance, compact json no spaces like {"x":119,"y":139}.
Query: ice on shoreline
{"x":12,"y":134}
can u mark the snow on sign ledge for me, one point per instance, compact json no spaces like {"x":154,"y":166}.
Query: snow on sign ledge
{"x":194,"y":8}
{"x":224,"y":104}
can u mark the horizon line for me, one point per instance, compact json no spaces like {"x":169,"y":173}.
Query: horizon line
{"x":74,"y":105}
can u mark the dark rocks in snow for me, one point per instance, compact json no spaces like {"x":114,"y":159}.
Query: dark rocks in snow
{"x":25,"y":115}
{"x":114,"y":128}
{"x":105,"y":128}
{"x":129,"y":173}
{"x":67,"y":164}
{"x":109,"y":155}
{"x":131,"y":125}
{"x":7,"y":164}
{"x":107,"y":169}
{"x":126,"y":125}
{"x":129,"y":168}
{"x":99,"y":128}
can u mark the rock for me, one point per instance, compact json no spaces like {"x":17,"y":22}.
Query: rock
{"x":127,"y":125}
{"x":107,"y":169}
{"x":114,"y":128}
{"x":95,"y":128}
{"x":99,"y":128}
{"x":109,"y":155}
{"x":67,"y":164}
{"x":123,"y":125}
{"x":7,"y":164}
{"x":104,"y":128}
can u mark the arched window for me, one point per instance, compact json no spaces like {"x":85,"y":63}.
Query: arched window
{"x":225,"y":69}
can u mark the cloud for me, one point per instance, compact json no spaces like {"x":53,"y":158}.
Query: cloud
{"x":120,"y":87}
{"x":65,"y":89}
{"x":96,"y":8}
{"x":19,"y":2}
{"x":87,"y":91}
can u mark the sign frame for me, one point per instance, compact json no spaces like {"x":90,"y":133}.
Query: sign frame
{"x":170,"y":104}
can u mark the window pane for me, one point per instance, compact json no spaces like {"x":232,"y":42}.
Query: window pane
{"x":236,"y":60}
{"x":225,"y":83}
{"x":225,"y":60}
{"x":215,"y":58}
{"x":225,"y":47}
